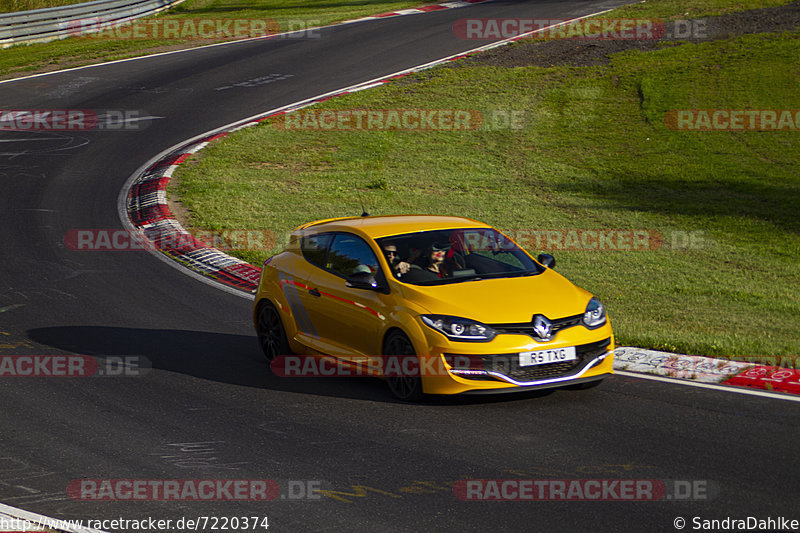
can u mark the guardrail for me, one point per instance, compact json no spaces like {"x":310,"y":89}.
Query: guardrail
{"x":60,"y":22}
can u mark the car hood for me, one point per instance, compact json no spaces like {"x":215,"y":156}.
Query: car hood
{"x":504,"y":300}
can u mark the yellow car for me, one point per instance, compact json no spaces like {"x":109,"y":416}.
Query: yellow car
{"x":433,"y":304}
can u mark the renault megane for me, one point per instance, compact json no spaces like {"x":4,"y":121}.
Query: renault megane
{"x":468,"y":308}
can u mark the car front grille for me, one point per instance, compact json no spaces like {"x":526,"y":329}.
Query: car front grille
{"x":508,"y":364}
{"x":526,"y":328}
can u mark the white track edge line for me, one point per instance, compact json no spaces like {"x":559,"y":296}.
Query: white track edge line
{"x":724,"y":388}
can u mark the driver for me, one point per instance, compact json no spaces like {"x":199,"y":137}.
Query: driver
{"x":398,"y":267}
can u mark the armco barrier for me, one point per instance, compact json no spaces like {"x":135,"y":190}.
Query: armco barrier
{"x":59,"y":22}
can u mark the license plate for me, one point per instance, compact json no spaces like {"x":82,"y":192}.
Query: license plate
{"x":542,"y":357}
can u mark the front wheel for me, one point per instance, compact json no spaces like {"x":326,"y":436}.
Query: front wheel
{"x":271,"y":335}
{"x":405,"y":386}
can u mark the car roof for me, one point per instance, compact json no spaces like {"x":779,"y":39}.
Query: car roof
{"x":386,"y":225}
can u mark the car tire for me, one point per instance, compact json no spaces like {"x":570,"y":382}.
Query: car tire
{"x":271,"y":334}
{"x":403,"y":387}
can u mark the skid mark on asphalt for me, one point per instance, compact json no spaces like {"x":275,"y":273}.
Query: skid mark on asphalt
{"x":205,"y":455}
{"x":355,"y":492}
{"x":49,"y":143}
{"x":256,"y":82}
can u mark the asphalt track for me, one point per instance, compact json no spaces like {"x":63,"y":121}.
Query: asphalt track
{"x":210,"y":410}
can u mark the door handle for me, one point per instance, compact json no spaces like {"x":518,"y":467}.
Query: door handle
{"x":314,"y":292}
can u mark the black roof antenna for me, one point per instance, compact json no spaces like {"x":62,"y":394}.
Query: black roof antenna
{"x":363,"y":211}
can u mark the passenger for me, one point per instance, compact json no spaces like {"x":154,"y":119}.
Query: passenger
{"x":433,"y":257}
{"x":398,"y":267}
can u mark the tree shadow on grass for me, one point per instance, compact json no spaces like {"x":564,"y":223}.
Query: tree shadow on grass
{"x":703,"y":199}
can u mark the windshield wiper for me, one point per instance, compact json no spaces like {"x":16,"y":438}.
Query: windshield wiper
{"x":510,"y":274}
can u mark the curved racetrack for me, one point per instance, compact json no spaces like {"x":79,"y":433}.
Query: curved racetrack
{"x":210,"y":410}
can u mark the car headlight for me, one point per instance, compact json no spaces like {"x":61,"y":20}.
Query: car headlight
{"x":595,"y":314}
{"x":459,"y":329}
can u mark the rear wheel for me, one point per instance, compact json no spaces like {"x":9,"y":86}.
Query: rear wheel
{"x":271,"y":335}
{"x":406,"y":386}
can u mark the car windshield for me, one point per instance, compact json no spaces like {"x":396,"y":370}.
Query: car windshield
{"x":455,"y":256}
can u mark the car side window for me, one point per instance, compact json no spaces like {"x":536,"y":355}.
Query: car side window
{"x":350,"y":254}
{"x":315,"y":248}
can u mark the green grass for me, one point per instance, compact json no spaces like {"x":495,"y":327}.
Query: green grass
{"x":690,"y":9}
{"x":10,"y":6}
{"x":594,"y":153}
{"x":76,"y":51}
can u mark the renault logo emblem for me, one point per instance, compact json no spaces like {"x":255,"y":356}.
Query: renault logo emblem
{"x":541,"y":326}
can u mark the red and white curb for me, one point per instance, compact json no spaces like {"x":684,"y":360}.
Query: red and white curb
{"x":149,"y":213}
{"x":671,"y":365}
{"x":13,"y":519}
{"x":782,"y":376}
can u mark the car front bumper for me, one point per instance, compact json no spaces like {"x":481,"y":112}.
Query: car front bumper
{"x":486,"y":367}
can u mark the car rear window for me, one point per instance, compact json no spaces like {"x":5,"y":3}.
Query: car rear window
{"x":315,"y":248}
{"x":350,"y":254}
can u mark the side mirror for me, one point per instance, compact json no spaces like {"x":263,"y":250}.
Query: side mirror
{"x":547,"y":260}
{"x":361,"y":280}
